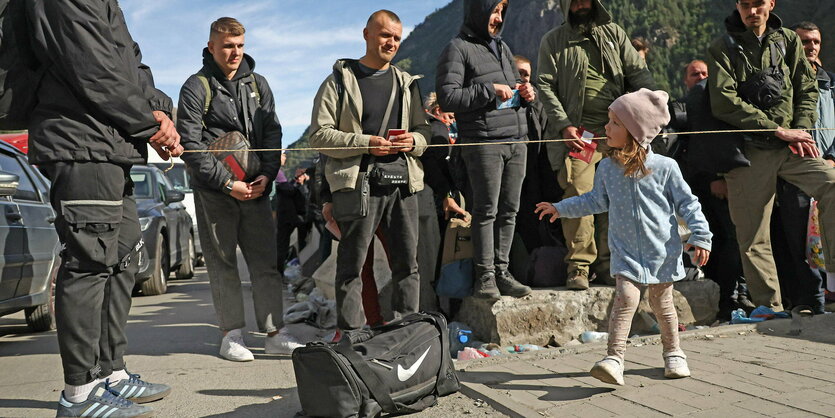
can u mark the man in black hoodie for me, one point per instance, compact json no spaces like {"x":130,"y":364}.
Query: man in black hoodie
{"x":225,"y":96}
{"x":97,"y":111}
{"x":478,"y":81}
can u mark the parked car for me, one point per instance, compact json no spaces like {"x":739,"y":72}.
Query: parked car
{"x":29,"y":246}
{"x":166,"y":229}
{"x":176,"y":172}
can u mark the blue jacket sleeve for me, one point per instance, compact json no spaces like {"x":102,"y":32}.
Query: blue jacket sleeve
{"x":688,"y":208}
{"x":595,"y":201}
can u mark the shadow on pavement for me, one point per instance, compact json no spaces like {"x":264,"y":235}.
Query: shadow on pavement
{"x":555,"y":392}
{"x":28,"y":404}
{"x":286,"y":406}
{"x":819,"y":328}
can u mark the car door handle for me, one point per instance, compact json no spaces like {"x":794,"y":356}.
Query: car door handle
{"x":51,"y":219}
{"x":13,"y":214}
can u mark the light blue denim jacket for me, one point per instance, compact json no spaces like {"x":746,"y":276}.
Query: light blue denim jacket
{"x":643,"y":230}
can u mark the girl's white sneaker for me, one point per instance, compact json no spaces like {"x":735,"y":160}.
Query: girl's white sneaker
{"x":609,"y":370}
{"x":675,"y":365}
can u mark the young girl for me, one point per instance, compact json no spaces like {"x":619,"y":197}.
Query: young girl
{"x":643,"y":192}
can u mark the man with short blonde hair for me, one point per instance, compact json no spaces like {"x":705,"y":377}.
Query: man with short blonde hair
{"x":227,"y":95}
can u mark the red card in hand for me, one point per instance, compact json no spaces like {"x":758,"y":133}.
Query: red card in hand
{"x":589,"y":146}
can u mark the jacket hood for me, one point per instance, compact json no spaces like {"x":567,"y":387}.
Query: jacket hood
{"x":734,"y":24}
{"x":477,"y":17}
{"x":246,"y":68}
{"x":601,"y":15}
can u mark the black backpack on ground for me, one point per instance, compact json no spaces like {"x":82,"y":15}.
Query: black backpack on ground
{"x":20,"y":73}
{"x":398,"y":368}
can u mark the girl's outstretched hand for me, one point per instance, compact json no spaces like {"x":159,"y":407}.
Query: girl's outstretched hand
{"x":699,"y":256}
{"x":547,"y":209}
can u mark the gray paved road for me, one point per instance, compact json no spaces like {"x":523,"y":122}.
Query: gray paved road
{"x":173,"y":339}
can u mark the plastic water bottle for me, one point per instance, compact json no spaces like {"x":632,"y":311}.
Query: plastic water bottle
{"x":459,"y":337}
{"x":594,"y":337}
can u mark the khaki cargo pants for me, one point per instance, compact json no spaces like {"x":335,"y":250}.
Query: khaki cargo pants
{"x":751,"y":193}
{"x":586,"y":238}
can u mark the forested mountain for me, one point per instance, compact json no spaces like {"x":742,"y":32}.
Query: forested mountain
{"x":678,"y":31}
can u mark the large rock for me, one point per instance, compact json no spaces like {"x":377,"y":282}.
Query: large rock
{"x":559,"y":315}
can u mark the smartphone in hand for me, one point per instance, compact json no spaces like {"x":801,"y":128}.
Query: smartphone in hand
{"x":393,"y":133}
{"x":257,"y":182}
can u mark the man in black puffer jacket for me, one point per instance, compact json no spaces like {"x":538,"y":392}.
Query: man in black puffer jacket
{"x":478,"y":81}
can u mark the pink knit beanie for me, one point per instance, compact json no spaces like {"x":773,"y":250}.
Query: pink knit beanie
{"x":644,"y":113}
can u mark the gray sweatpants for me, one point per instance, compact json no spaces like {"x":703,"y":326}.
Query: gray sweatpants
{"x":224,"y":223}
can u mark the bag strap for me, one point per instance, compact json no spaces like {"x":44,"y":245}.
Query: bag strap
{"x":377,"y":388}
{"x":778,"y":51}
{"x":207,"y":101}
{"x":390,"y":104}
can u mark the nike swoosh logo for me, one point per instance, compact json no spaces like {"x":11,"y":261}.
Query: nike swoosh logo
{"x":405,"y":374}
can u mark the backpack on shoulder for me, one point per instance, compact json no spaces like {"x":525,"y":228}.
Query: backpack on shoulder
{"x":20,"y":72}
{"x":398,"y":368}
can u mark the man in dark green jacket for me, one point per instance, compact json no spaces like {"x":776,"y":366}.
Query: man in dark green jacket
{"x":785,"y":150}
{"x":584,"y":65}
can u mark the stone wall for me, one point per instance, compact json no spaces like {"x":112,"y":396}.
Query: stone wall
{"x":559,"y":315}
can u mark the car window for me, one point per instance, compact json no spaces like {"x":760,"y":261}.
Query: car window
{"x":26,"y":189}
{"x":177,"y":175}
{"x":162,"y":184}
{"x":141,"y":184}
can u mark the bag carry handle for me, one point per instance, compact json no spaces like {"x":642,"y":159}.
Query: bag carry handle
{"x":372,"y":381}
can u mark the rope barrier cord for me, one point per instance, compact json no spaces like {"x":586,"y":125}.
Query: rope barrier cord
{"x":474,"y":144}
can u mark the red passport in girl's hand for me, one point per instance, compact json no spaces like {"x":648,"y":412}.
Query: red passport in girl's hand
{"x":589,"y":146}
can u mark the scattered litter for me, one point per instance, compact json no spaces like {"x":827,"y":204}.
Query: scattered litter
{"x":480,"y":403}
{"x":277,"y":397}
{"x":762,"y":313}
{"x":639,"y":345}
{"x":523,"y":348}
{"x":460,"y":335}
{"x":594,"y":337}
{"x":469,"y":353}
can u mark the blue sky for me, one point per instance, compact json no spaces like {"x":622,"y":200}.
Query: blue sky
{"x":294,"y":42}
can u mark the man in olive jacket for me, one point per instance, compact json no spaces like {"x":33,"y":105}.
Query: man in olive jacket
{"x":350,"y":112}
{"x":786,"y":150}
{"x":584,"y":65}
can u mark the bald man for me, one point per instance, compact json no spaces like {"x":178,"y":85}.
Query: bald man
{"x":373,"y":110}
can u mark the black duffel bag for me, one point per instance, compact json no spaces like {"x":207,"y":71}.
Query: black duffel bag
{"x":398,"y":368}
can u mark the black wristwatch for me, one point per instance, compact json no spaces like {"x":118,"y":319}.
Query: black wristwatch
{"x":227,"y":188}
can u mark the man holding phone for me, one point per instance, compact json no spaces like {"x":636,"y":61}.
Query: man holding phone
{"x":373,"y":110}
{"x":227,"y":96}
